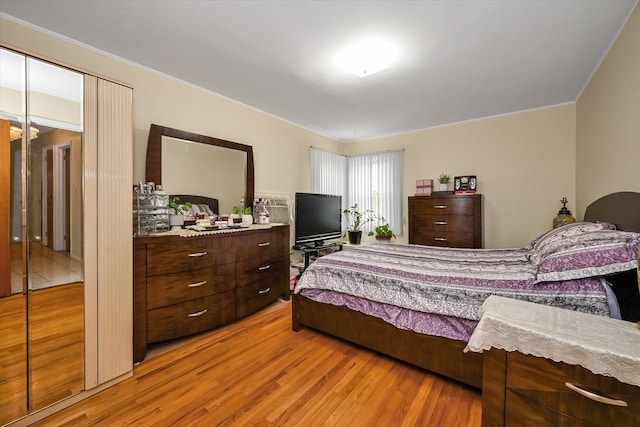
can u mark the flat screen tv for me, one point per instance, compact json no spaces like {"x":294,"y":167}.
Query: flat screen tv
{"x":318,"y":218}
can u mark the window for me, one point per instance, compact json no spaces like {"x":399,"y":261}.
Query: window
{"x":373,"y":181}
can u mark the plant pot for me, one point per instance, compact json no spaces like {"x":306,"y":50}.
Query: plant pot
{"x":355,"y":237}
{"x":247,"y":219}
{"x":383,"y":240}
{"x":444,"y":187}
{"x":176,"y":221}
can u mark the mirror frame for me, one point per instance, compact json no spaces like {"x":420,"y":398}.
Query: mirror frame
{"x":154,"y":155}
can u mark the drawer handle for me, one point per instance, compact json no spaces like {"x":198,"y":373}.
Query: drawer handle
{"x":596,"y":397}
{"x":262,"y":245}
{"x":198,"y":284}
{"x":264,"y":291}
{"x":264,"y":267}
{"x":440,"y":222}
{"x":440,"y":207}
{"x":198,"y":313}
{"x":440,"y":239}
{"x":198,"y":254}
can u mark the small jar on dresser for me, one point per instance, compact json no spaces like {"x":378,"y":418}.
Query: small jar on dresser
{"x":448,"y":220}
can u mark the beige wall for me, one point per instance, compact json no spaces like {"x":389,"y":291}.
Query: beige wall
{"x":608,"y":121}
{"x":525,"y":164}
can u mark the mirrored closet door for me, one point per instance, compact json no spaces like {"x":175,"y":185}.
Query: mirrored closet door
{"x":41,"y":263}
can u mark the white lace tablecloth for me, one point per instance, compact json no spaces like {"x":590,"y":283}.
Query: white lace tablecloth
{"x":187,"y":232}
{"x":602,"y":345}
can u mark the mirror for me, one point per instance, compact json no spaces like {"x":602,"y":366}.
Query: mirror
{"x":42,"y":308}
{"x":204,"y":166}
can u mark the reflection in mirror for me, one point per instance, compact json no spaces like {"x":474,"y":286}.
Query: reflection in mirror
{"x":45,"y":330}
{"x":212,"y":171}
{"x":208,"y":166}
{"x":54,"y":229}
{"x":13,"y":285}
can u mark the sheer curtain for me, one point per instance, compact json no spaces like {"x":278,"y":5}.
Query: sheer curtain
{"x":373,"y":181}
{"x":328,"y":173}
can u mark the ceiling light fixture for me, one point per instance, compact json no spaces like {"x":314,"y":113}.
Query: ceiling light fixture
{"x":366,"y":57}
{"x":16,"y":133}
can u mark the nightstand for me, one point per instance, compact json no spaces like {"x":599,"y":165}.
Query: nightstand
{"x":548,"y":366}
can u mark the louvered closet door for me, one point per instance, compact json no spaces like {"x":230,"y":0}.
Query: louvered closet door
{"x":108,"y":181}
{"x":115,"y":252}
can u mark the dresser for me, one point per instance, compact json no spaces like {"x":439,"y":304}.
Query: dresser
{"x":547,"y":366}
{"x":446,"y":220}
{"x":185,"y":285}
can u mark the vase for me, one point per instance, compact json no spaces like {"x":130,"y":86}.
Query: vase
{"x":176,"y":221}
{"x":247,"y":219}
{"x":383,"y":240}
{"x":355,"y":237}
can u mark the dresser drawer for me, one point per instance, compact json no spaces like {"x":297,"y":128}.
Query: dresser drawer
{"x":444,"y":206}
{"x":174,"y":288}
{"x":250,"y":271}
{"x":190,"y":317}
{"x":445,"y":222}
{"x":443,"y":238}
{"x":537,"y":394}
{"x":253,"y":297}
{"x":174,"y":257}
{"x":263,"y":247}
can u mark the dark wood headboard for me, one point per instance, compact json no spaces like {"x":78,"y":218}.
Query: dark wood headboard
{"x":621,"y":209}
{"x":198,"y":200}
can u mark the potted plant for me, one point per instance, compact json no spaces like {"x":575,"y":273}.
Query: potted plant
{"x":383,"y":233}
{"x":247,"y":218}
{"x":235,"y":215}
{"x":176,"y":215}
{"x":355,"y":220}
{"x":444,"y":181}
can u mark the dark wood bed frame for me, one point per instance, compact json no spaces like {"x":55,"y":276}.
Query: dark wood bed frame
{"x":436,"y":354}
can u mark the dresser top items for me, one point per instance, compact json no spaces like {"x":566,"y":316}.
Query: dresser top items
{"x":600,"y":344}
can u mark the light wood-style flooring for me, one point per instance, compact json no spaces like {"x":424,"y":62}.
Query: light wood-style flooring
{"x":257,"y":371}
{"x":55,"y":349}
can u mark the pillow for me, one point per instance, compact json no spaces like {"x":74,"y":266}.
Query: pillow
{"x":598,"y":253}
{"x":196,"y":209}
{"x":573,"y":229}
{"x":625,"y":287}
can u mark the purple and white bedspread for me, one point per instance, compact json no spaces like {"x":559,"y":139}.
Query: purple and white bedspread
{"x":439,"y":291}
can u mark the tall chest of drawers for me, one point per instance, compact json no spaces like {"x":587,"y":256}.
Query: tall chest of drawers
{"x":446,"y":220}
{"x":187,"y":285}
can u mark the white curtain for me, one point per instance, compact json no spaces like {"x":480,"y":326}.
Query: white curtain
{"x":373,"y":181}
{"x":328,"y":173}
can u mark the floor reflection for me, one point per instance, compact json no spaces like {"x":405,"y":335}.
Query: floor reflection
{"x":47,"y":268}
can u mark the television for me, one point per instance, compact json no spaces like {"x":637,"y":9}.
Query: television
{"x":318,"y":218}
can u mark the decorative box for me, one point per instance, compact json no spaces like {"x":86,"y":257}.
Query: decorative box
{"x":424,"y":187}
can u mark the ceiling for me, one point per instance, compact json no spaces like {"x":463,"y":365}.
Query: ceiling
{"x":456,"y":60}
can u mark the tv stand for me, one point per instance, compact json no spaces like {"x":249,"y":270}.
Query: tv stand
{"x":315,"y":249}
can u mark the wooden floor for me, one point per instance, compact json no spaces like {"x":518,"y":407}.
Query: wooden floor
{"x":56,"y":348}
{"x":259,"y":372}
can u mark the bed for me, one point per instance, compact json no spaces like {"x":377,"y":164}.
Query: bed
{"x":347,"y":294}
{"x":200,"y":204}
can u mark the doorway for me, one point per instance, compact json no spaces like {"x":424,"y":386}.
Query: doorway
{"x":56,"y":198}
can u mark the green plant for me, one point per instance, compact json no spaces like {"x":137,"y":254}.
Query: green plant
{"x":247,"y":211}
{"x":177,"y":208}
{"x":235,"y":210}
{"x":356,"y":219}
{"x":444,"y":178}
{"x":383,"y":231}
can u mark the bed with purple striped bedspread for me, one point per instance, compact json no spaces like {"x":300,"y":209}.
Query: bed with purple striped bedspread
{"x":438,"y":291}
